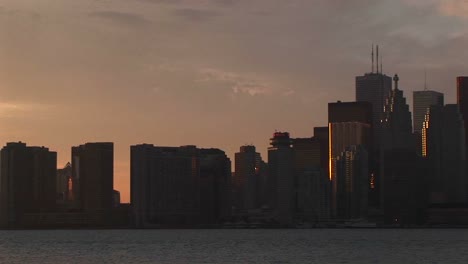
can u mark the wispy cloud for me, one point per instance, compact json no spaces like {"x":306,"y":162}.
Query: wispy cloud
{"x":197,"y":15}
{"x":456,"y":8}
{"x":122,"y":18}
{"x":239,"y":84}
{"x":11,"y":109}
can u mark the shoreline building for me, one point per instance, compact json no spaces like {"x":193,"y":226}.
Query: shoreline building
{"x":93,"y":177}
{"x":27,"y":183}
{"x":248,"y":178}
{"x":350,"y":124}
{"x":352,"y":191}
{"x":444,"y":147}
{"x":311,"y":182}
{"x":281,"y":178}
{"x":179,"y":186}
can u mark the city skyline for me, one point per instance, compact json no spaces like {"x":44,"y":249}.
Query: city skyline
{"x":88,"y":80}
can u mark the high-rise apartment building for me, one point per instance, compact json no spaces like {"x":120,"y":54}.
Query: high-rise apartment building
{"x":179,"y":186}
{"x":27,"y":182}
{"x":248,"y":177}
{"x":93,"y":176}
{"x":281,"y":177}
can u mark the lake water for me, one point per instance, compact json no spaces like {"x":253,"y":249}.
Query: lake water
{"x":236,"y":246}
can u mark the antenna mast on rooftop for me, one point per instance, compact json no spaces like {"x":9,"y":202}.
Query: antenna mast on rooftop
{"x":377,"y":58}
{"x":425,"y":80}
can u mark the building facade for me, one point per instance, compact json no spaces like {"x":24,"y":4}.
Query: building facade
{"x":443,"y":144}
{"x":179,"y":186}
{"x":248,"y":178}
{"x":281,"y":178}
{"x":374,"y":88}
{"x":93,"y":176}
{"x":422,"y":100}
{"x":311,"y":182}
{"x":27,"y":182}
{"x":353,"y":183}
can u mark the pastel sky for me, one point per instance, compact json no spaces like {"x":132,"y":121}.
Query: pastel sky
{"x":211,"y":73}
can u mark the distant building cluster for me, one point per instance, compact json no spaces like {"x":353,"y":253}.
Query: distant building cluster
{"x":372,"y":165}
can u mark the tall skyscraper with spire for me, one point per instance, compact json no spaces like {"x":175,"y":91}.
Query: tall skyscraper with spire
{"x":396,"y":122}
{"x":374,"y":87}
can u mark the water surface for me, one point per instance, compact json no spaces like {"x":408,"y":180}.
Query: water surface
{"x":236,"y":246}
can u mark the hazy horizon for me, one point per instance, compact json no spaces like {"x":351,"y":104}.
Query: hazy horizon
{"x":211,"y":73}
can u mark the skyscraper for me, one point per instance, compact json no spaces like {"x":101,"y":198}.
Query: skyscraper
{"x":350,"y":124}
{"x":374,"y":88}
{"x":353,"y":184}
{"x":248,"y":166}
{"x":27,"y":182}
{"x":281,"y":177}
{"x":422,"y":100}
{"x":444,"y":147}
{"x":396,"y":123}
{"x":462,"y":101}
{"x":312,"y":185}
{"x":93,"y":176}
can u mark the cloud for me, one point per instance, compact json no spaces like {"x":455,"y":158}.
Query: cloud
{"x":239,"y":84}
{"x":456,"y":8}
{"x":223,"y":3}
{"x":451,"y":8}
{"x":123,"y":18}
{"x":12,"y":109}
{"x":197,"y":15}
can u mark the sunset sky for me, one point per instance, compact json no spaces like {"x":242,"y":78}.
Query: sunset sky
{"x":211,"y":73}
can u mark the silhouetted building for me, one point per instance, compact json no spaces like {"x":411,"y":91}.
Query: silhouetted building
{"x":93,"y":176}
{"x":248,"y":177}
{"x":64,"y":184}
{"x":353,"y":183}
{"x":349,"y":125}
{"x":321,"y":134}
{"x":462,"y":101}
{"x":27,"y":182}
{"x":422,"y":100}
{"x":374,"y":88}
{"x":405,"y":198}
{"x":281,"y":177}
{"x":311,"y":182}
{"x":444,"y":147}
{"x":215,"y":186}
{"x":179,"y":186}
{"x":397,"y":130}
{"x":116,"y":199}
{"x":404,"y":191}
